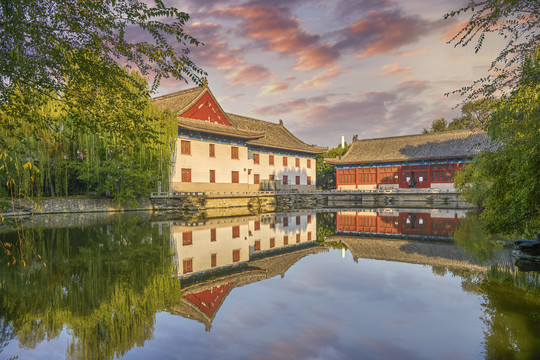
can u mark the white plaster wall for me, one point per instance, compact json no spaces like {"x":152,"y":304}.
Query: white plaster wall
{"x":278,"y":170}
{"x":201,"y":163}
{"x":201,"y":248}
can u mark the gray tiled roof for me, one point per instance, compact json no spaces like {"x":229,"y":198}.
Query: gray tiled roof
{"x":262,"y":133}
{"x":277,"y":135}
{"x":448,"y":144}
{"x":213,"y":128}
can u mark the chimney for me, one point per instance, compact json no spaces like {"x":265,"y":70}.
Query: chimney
{"x":343,"y":141}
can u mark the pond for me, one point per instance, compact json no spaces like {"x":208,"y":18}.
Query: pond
{"x":343,"y":284}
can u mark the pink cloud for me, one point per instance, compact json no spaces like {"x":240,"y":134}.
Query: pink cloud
{"x":394,"y":69}
{"x":320,"y":80}
{"x":246,"y":75}
{"x":412,"y":52}
{"x":277,"y":30}
{"x":274,"y":87}
{"x":384,"y":32}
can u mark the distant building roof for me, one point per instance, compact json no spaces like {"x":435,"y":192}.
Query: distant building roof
{"x":439,"y":145}
{"x":258,"y":132}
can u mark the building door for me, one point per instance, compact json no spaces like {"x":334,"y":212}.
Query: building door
{"x":414,"y":177}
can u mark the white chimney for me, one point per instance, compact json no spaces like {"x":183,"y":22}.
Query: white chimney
{"x":343,"y":141}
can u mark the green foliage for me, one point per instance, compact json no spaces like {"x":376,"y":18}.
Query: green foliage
{"x":104,"y":283}
{"x":519,"y":23}
{"x":474,"y":114}
{"x":326,"y":173}
{"x":326,"y":226}
{"x":508,"y":173}
{"x":66,"y":158}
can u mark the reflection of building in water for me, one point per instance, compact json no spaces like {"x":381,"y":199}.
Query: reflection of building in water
{"x":219,"y":255}
{"x":403,"y":223}
{"x":414,"y":252}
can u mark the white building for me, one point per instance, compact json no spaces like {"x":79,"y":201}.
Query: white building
{"x":219,"y":151}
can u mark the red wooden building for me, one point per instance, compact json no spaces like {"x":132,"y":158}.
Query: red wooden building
{"x":419,"y":161}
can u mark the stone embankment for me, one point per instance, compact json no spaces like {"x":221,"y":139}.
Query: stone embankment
{"x":236,"y":204}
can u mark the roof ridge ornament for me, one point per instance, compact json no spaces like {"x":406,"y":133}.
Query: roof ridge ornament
{"x":280,"y":122}
{"x":204,"y":81}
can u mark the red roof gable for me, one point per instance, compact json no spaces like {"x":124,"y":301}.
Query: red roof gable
{"x":209,"y":300}
{"x":206,"y":109}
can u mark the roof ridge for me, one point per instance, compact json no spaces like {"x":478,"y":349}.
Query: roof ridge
{"x":250,"y":118}
{"x":176,"y":93}
{"x":426,"y":134}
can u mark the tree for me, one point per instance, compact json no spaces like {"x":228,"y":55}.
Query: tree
{"x":508,"y":171}
{"x":50,"y":45}
{"x":326,"y":173}
{"x":519,"y":23}
{"x":474,"y":114}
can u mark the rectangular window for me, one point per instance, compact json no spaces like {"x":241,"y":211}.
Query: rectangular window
{"x":285,"y":179}
{"x":236,"y":255}
{"x":188,"y":265}
{"x":257,"y":225}
{"x":297,"y":162}
{"x":309,"y":180}
{"x":346,"y":176}
{"x":297,"y":238}
{"x":272,"y":242}
{"x":285,"y":221}
{"x":285,"y":240}
{"x":388,"y":175}
{"x":213,"y":260}
{"x":270,"y":159}
{"x":235,"y":177}
{"x":309,"y":219}
{"x":234,"y":152}
{"x":298,"y":219}
{"x":212,"y":150}
{"x":213,"y":235}
{"x":185,"y":147}
{"x":309,"y":236}
{"x":309,"y":163}
{"x":187,"y":238}
{"x":443,"y":173}
{"x":256,"y":159}
{"x":256,"y":178}
{"x":236,"y":231}
{"x":257,"y":245}
{"x":367,"y":176}
{"x":272,"y":225}
{"x":298,"y":180}
{"x":284,"y":161}
{"x":186,"y":175}
{"x":271,"y":177}
{"x":212,"y":176}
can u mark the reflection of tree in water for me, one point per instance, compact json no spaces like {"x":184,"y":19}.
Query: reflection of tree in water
{"x":470,"y":234}
{"x":511,"y":310}
{"x":326,"y":225}
{"x":105,"y":283}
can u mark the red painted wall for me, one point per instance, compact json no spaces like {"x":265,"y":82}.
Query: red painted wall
{"x":206,"y":109}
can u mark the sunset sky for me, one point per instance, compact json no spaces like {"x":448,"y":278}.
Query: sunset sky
{"x":373,"y":68}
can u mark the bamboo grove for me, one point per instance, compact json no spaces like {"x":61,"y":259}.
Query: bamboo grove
{"x":48,"y":148}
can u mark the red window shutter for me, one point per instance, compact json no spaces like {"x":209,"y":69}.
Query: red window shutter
{"x":212,"y":150}
{"x":297,"y":238}
{"x":188,"y":265}
{"x":285,"y":179}
{"x":236,"y":255}
{"x":187,"y":238}
{"x":298,"y":180}
{"x":257,"y":225}
{"x":271,"y":177}
{"x":256,"y":178}
{"x":284,"y":161}
{"x":234,"y":152}
{"x":212,"y":176}
{"x":257,"y":245}
{"x":297,"y":162}
{"x":213,"y":235}
{"x":309,"y":163}
{"x":213,"y":260}
{"x":270,"y":159}
{"x":309,"y":235}
{"x":186,"y":175}
{"x":272,"y":242}
{"x":285,"y":221}
{"x":236,"y":231}
{"x":285,"y":240}
{"x":309,"y":180}
{"x":185,"y":148}
{"x":298,"y":219}
{"x":256,"y":158}
{"x":235,"y":177}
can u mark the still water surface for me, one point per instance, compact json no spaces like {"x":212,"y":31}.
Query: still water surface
{"x":362,"y":284}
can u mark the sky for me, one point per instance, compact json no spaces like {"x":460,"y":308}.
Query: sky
{"x":372,"y":68}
